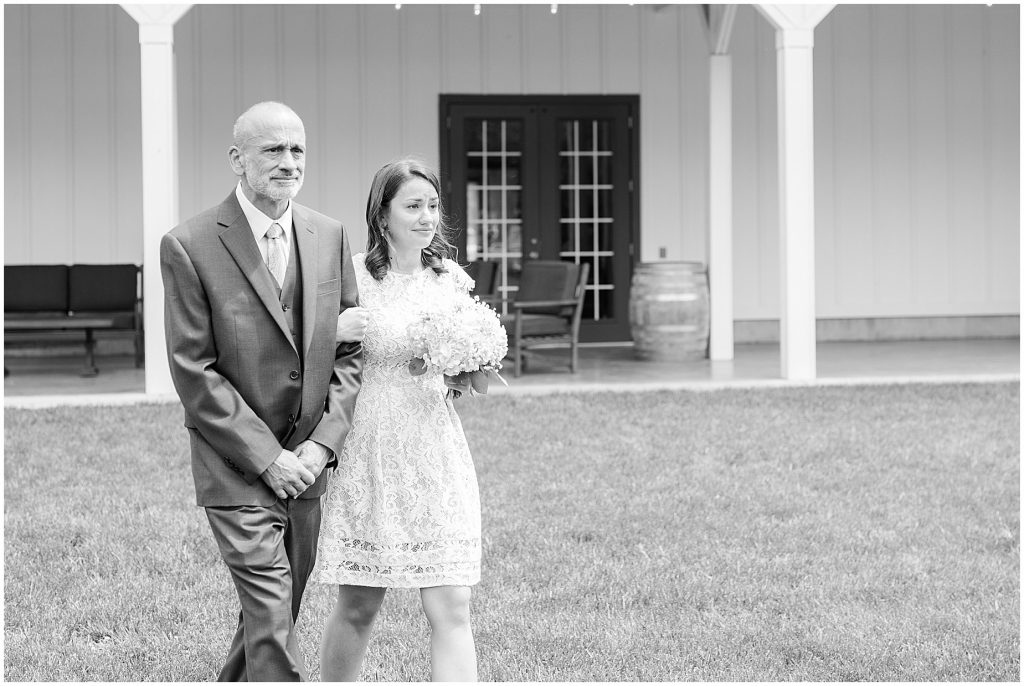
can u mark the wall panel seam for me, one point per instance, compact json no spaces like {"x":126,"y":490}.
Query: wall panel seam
{"x":602,"y":74}
{"x":839,"y":160}
{"x":196,"y":76}
{"x":402,"y":84}
{"x":482,"y":55}
{"x":482,"y":61}
{"x":361,"y":67}
{"x":834,"y":170}
{"x":444,"y":54}
{"x":69,"y":126}
{"x":563,"y":30}
{"x":987,"y":126}
{"x":524,"y":49}
{"x":321,"y":99}
{"x":682,"y":124}
{"x":873,"y":149}
{"x":911,"y":49}
{"x":110,"y":28}
{"x":758,"y":162}
{"x":238,"y":56}
{"x":947,"y":168}
{"x":26,"y":103}
{"x":279,"y":39}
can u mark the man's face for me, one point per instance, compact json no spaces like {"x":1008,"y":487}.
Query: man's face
{"x":273,"y":157}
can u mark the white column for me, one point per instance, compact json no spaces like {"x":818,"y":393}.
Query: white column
{"x":718,"y":23}
{"x":720,"y":208}
{"x":794,"y":42}
{"x":796,"y":203}
{"x":159,"y":172}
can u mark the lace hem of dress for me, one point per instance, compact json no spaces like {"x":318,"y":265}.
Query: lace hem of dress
{"x":468,"y":544}
{"x":439,"y":553}
{"x":400,"y":576}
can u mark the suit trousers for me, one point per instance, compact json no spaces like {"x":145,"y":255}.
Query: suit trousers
{"x":270,"y":552}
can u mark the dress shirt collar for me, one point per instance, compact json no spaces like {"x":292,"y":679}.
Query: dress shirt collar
{"x":259,"y":222}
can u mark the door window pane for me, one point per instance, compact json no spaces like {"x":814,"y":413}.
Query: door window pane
{"x":585,"y":161}
{"x":586,"y":167}
{"x":474,"y":239}
{"x":605,"y":306}
{"x":605,"y":236}
{"x":494,"y":194}
{"x":512,"y":165}
{"x":585,"y":198}
{"x":587,"y":238}
{"x":604,"y":202}
{"x":474,"y":138}
{"x":567,"y":169}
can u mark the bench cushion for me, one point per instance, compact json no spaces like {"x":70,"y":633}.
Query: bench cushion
{"x":110,"y":320}
{"x":99,"y":288}
{"x":35,"y":288}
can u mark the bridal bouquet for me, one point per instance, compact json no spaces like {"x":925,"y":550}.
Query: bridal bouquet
{"x":464,"y":341}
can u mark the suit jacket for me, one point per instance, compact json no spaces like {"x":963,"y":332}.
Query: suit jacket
{"x":246,"y":390}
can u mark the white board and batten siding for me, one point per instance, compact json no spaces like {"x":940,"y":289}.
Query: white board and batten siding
{"x":72,"y":135}
{"x":916,"y":128}
{"x":374,"y":93}
{"x":917,"y":161}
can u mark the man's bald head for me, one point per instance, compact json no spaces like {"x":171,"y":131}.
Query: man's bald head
{"x":259,"y":117}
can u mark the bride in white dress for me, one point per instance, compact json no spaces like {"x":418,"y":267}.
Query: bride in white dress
{"x":402,"y":507}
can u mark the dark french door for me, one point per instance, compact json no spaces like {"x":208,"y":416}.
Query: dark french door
{"x":548,"y":178}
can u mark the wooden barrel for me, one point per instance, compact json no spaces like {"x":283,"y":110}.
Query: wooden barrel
{"x":668,"y":311}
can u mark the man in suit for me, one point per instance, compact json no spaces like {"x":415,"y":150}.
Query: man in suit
{"x":254,"y":288}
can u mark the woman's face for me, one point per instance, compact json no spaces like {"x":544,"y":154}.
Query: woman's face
{"x":413,"y":216}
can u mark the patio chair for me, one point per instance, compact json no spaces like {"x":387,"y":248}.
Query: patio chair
{"x":485,"y":274}
{"x":547,"y":309}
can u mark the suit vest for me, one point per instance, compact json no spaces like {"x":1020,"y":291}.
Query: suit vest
{"x":290,"y":295}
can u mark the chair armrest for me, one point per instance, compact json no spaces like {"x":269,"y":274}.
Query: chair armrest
{"x":526,"y":304}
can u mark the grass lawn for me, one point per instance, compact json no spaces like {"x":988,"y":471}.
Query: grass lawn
{"x":813,"y":534}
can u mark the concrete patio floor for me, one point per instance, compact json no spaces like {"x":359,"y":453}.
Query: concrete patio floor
{"x":47,"y":381}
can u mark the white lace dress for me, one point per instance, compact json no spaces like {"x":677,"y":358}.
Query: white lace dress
{"x":402,"y":509}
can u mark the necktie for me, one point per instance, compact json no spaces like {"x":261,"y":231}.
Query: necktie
{"x":276,"y":259}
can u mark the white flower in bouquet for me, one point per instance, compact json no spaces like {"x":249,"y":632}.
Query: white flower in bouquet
{"x":465,"y":342}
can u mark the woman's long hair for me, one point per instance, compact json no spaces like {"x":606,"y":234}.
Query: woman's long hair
{"x":386,"y":183}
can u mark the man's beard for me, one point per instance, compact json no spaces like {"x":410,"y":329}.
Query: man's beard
{"x":263,"y":186}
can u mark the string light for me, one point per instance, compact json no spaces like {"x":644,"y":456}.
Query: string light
{"x":476,"y":9}
{"x":554,"y":9}
{"x":398,"y":6}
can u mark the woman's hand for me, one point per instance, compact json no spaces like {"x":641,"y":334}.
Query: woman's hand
{"x":458,"y":384}
{"x":351,"y":325}
{"x":470,"y":382}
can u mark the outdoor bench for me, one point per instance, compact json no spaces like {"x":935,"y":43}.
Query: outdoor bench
{"x":79,"y":297}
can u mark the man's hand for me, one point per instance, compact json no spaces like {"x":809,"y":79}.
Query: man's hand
{"x":287,"y":476}
{"x":351,"y":325}
{"x":313,"y":456}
